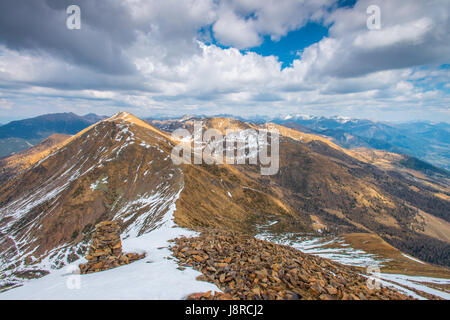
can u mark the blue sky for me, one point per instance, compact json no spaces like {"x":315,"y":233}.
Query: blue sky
{"x":287,"y":48}
{"x":291,"y":46}
{"x":247,"y":57}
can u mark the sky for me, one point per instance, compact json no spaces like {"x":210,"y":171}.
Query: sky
{"x":240,"y":57}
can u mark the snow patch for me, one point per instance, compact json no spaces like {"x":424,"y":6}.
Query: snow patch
{"x":154,"y":277}
{"x":411,"y":258}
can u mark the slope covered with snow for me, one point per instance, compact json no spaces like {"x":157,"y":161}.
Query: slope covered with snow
{"x":154,"y":277}
{"x":116,"y":169}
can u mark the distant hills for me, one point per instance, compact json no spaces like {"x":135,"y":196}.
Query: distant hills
{"x":22,"y":134}
{"x":426,"y":141}
{"x":14,"y":164}
{"x":429,"y":142}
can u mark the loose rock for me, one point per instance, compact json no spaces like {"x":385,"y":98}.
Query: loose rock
{"x":105,"y":251}
{"x":246,"y":268}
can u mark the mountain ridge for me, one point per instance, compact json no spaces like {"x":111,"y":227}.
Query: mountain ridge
{"x":19,"y":135}
{"x":427,"y":141}
{"x":120,"y":168}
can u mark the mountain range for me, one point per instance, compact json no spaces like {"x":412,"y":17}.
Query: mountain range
{"x":22,"y":134}
{"x":120,"y":168}
{"x":427,"y":141}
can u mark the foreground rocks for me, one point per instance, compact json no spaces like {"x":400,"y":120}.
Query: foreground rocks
{"x":246,"y":268}
{"x":105,"y":251}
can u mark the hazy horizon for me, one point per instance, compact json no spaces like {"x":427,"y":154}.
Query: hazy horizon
{"x":367,"y":59}
{"x":4,"y":121}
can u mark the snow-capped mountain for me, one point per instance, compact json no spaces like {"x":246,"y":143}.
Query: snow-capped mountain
{"x":424,"y":140}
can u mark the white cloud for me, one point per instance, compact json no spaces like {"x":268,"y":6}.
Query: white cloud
{"x":412,"y":33}
{"x":6,"y":104}
{"x":229,"y":29}
{"x":242,"y":23}
{"x":353,"y":70}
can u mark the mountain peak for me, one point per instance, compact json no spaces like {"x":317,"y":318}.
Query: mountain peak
{"x":128,"y":117}
{"x":121,"y":115}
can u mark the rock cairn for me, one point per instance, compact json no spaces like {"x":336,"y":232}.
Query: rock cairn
{"x":105,"y":251}
{"x":246,"y":268}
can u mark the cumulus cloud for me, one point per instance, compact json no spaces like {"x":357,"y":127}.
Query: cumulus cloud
{"x":242,"y":23}
{"x":39,"y":26}
{"x":160,"y":56}
{"x":412,"y":33}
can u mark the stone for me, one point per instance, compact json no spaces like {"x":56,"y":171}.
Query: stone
{"x":247,"y":268}
{"x":332,"y":291}
{"x":105,"y":250}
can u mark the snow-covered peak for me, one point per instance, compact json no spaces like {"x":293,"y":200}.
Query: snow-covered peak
{"x":341,"y":119}
{"x":121,"y":115}
{"x":297,"y":116}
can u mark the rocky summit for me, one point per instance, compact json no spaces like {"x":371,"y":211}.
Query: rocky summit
{"x":105,"y":251}
{"x":247,"y":268}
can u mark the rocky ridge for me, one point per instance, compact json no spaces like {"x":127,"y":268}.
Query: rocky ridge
{"x":121,"y":168}
{"x":246,"y":268}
